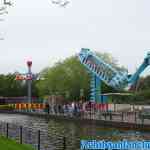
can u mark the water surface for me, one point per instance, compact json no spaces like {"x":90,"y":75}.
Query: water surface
{"x":74,"y":131}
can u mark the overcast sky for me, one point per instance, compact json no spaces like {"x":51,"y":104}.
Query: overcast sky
{"x":45,"y":32}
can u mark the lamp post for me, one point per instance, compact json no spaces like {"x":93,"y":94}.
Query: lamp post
{"x":29,"y":80}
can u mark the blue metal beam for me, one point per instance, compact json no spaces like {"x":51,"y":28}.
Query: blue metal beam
{"x":101,"y":71}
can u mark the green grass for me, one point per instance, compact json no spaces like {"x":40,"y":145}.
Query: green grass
{"x":8,"y":144}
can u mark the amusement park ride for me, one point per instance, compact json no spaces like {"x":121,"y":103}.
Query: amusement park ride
{"x":102,"y":71}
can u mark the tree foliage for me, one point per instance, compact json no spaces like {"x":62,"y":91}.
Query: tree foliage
{"x":9,"y":87}
{"x":143,"y":83}
{"x":67,"y":76}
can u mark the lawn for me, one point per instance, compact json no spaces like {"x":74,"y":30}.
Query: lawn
{"x":8,"y":144}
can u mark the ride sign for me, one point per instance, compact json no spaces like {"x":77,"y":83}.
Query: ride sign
{"x":23,"y":77}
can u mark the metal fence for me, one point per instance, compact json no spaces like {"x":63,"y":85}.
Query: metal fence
{"x":40,"y":140}
{"x":136,"y":117}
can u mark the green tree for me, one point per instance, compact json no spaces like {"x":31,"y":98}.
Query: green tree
{"x":13,"y":88}
{"x":143,"y":83}
{"x":67,"y":76}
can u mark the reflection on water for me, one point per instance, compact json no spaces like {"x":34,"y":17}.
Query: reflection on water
{"x":74,"y":131}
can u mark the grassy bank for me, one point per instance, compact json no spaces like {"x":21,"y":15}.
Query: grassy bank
{"x":8,"y":144}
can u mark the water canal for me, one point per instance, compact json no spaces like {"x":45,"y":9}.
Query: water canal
{"x":73,"y":131}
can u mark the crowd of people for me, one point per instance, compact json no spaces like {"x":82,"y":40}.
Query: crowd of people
{"x":66,"y":109}
{"x":74,"y":108}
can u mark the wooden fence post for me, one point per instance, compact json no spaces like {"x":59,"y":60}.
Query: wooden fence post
{"x":7,"y":130}
{"x":20,"y":134}
{"x":39,"y":140}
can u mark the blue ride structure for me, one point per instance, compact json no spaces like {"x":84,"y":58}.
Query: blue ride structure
{"x":104,"y":72}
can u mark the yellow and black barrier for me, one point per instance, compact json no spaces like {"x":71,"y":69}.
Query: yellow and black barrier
{"x":30,"y":106}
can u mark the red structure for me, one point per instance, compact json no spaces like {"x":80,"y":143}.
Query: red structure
{"x":29,"y":63}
